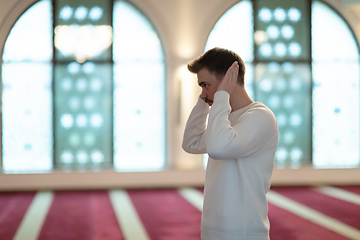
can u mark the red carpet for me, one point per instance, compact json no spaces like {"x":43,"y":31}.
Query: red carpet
{"x":165,"y":214}
{"x":352,"y":189}
{"x":332,"y":207}
{"x":81,"y":216}
{"x":287,"y":226}
{"x":13,"y":206}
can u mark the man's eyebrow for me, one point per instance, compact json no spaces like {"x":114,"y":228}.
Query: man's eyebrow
{"x":200,"y":84}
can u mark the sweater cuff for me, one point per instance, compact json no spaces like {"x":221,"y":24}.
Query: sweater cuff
{"x":221,"y":101}
{"x":222,"y":96}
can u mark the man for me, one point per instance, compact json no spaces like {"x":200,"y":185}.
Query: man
{"x":241,"y":138}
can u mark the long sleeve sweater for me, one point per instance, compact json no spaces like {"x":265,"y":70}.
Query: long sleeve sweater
{"x":241,"y":146}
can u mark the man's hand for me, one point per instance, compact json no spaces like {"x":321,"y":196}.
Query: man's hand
{"x":230,"y":79}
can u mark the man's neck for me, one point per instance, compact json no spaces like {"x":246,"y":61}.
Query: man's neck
{"x":239,"y":98}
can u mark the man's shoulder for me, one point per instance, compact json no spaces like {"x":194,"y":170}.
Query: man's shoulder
{"x":260,"y":108}
{"x":259,"y":113}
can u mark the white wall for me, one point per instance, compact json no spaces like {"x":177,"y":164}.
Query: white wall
{"x":183,"y":26}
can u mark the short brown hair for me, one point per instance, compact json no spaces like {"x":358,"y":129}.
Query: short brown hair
{"x":217,"y":61}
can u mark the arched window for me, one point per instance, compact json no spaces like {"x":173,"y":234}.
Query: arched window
{"x":335,"y":90}
{"x":139,"y":96}
{"x":26,"y":92}
{"x":302,"y":61}
{"x":76,"y":80}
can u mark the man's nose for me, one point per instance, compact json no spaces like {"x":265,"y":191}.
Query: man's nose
{"x":203,"y":95}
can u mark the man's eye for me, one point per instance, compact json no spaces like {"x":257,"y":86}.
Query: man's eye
{"x":206,"y":85}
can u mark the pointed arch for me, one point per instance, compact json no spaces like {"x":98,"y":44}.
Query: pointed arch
{"x":73,"y":103}
{"x":294,"y":68}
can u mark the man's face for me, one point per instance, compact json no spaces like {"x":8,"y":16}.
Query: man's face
{"x":209,"y":84}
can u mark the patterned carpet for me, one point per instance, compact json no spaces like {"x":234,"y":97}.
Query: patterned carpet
{"x":295,"y":213}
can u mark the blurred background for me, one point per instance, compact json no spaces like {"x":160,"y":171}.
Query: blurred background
{"x":96,"y":94}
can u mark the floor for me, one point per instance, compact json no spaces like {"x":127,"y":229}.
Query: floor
{"x":295,"y":213}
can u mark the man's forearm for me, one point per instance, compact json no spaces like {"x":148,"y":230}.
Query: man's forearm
{"x":193,"y":141}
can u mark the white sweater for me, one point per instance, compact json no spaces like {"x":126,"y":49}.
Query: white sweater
{"x":241,"y":147}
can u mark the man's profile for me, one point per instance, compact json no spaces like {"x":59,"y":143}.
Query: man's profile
{"x":240,"y":138}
